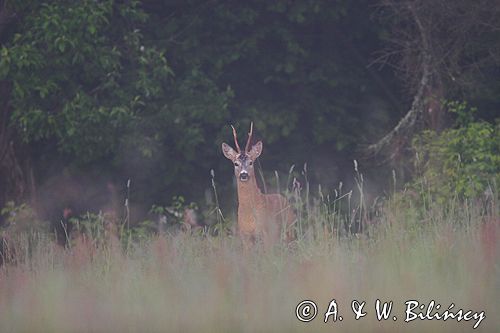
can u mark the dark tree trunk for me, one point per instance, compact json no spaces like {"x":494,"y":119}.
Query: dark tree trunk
{"x":441,"y":48}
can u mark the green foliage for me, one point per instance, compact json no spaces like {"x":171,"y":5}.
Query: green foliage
{"x":91,"y":225}
{"x":81,"y":73}
{"x":175,"y":212}
{"x":145,"y":90}
{"x":89,"y":85}
{"x":19,"y":218}
{"x":463,"y":161}
{"x":282,"y":61}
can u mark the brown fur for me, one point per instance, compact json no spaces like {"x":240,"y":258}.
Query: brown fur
{"x":260,"y":216}
{"x":264,"y":216}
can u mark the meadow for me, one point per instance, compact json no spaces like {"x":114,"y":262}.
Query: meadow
{"x":113,"y":112}
{"x":195,"y":282}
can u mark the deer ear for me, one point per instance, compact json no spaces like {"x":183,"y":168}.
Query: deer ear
{"x":229,"y":152}
{"x":256,"y":150}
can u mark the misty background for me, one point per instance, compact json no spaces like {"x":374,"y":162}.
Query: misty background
{"x":95,"y":95}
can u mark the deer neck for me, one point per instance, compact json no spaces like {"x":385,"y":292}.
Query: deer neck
{"x":249,"y":194}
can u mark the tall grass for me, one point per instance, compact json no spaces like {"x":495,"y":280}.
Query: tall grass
{"x":182,"y":282}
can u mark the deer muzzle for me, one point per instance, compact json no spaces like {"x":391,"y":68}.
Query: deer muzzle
{"x":244,"y":176}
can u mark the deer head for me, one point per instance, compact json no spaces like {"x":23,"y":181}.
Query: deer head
{"x":243,"y":160}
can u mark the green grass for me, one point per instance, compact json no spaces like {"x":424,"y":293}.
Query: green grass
{"x":188,"y":283}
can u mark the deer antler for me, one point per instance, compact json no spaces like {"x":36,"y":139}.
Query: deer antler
{"x":249,"y":137}
{"x":236,"y":140}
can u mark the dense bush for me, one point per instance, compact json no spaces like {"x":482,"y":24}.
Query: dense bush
{"x":463,"y":161}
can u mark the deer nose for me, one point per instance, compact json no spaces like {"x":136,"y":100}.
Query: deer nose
{"x":244,"y":176}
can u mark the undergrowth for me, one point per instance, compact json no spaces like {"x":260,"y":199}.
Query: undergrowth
{"x":129,"y":280}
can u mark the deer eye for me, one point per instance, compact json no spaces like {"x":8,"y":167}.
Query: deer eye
{"x":236,"y":164}
{"x":250,"y":163}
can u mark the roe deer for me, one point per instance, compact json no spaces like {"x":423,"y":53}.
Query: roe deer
{"x":266,"y":216}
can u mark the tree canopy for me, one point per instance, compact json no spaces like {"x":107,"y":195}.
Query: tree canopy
{"x":146,"y":90}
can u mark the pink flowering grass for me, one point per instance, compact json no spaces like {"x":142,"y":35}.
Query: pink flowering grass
{"x":191,"y":283}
